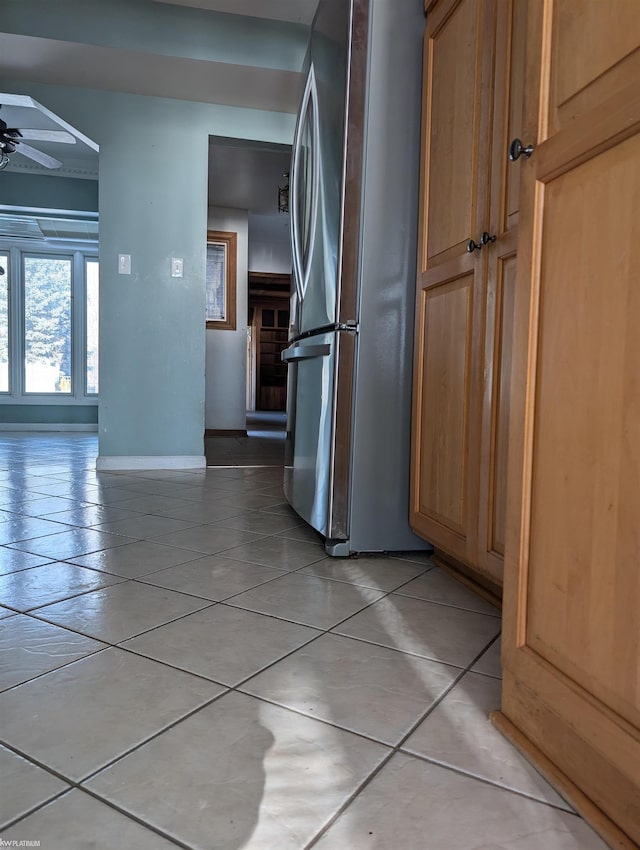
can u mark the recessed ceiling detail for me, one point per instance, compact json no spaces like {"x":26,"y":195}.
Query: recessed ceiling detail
{"x":50,"y":228}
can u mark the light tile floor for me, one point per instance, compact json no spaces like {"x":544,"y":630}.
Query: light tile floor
{"x":181,"y":666}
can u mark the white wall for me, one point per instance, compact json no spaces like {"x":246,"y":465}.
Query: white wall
{"x":269,"y":243}
{"x":226,"y":351}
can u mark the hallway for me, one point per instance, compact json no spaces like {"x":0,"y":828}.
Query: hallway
{"x":263,"y":445}
{"x":183,"y":667}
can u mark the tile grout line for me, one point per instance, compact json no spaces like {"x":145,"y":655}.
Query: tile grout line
{"x":149,"y":826}
{"x":80,"y":783}
{"x":490,"y":782}
{"x":236,"y":688}
{"x":227,"y":690}
{"x":367,"y":781}
{"x":33,"y":613}
{"x":119,"y":645}
{"x":16,"y":820}
{"x":55,"y":669}
{"x":75,"y":787}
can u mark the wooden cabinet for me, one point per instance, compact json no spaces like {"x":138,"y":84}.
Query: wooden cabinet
{"x":571,"y":649}
{"x":271,"y":324}
{"x":472,"y":107}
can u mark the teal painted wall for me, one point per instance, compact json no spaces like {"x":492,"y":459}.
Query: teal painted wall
{"x":153,"y":205}
{"x":153,"y":196}
{"x":44,"y":192}
{"x":57,"y":414}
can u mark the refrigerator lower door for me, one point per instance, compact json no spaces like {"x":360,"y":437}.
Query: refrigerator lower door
{"x":308,"y":453}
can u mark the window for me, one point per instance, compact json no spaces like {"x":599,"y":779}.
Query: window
{"x":91,"y":309}
{"x":221,"y":280}
{"x":4,"y":323}
{"x":48,"y":323}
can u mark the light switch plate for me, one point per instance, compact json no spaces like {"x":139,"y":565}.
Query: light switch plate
{"x":177,"y":266}
{"x":124,"y":263}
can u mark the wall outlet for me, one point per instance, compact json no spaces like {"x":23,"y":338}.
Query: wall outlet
{"x":177,"y":267}
{"x":124,"y":263}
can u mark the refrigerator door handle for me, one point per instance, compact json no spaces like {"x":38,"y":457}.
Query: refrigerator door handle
{"x":302,"y":253}
{"x":304,"y":352}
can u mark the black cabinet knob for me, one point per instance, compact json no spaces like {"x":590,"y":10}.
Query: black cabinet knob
{"x":516,"y":150}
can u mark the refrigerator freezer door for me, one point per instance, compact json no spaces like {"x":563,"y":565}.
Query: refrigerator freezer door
{"x":310,"y":428}
{"x":317,"y":170}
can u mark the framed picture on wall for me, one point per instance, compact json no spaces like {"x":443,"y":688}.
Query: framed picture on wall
{"x":222,"y":248}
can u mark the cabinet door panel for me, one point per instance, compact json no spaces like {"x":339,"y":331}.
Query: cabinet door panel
{"x":583,"y":559}
{"x":447,"y":316}
{"x":455,"y":142}
{"x":444,"y":399}
{"x":456,"y":149}
{"x":587,"y":68}
{"x":571,"y":649}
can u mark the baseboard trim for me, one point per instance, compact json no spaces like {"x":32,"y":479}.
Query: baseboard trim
{"x":113,"y":463}
{"x":49,"y":426}
{"x":610,"y":833}
{"x":224,"y":432}
{"x":480,"y":584}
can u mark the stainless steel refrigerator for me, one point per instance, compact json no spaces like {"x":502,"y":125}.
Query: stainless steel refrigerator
{"x":353,"y":205}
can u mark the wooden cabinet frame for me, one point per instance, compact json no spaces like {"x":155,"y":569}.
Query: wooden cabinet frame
{"x":472,"y":102}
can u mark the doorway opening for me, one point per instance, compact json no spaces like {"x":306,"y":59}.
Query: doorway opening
{"x":245,"y":377}
{"x":268,"y":324}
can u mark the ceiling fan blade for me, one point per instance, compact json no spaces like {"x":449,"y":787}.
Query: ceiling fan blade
{"x":60,"y":136}
{"x":38,"y":156}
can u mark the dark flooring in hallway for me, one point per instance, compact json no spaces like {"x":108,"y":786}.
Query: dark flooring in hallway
{"x":263,"y":445}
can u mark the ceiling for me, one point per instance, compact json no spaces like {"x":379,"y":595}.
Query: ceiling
{"x":246,"y":176}
{"x":32,"y":59}
{"x":241,"y":175}
{"x":171,"y":48}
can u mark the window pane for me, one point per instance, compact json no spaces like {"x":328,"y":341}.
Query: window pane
{"x":91,"y":278}
{"x":216,"y":289}
{"x":47,"y":325}
{"x":4,"y":324}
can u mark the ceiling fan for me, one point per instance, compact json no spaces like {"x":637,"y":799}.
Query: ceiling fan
{"x":12,"y":141}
